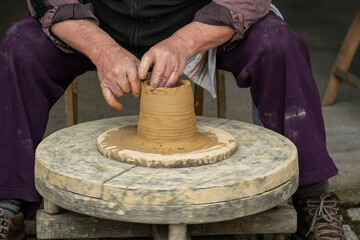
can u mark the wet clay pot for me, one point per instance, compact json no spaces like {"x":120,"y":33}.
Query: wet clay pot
{"x":167,"y":134}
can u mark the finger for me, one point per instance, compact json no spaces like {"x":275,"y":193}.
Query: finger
{"x":113,"y":86}
{"x":124,"y":84}
{"x":118,"y":93}
{"x":175,"y":75}
{"x":134,"y":81}
{"x":157,"y":73}
{"x":168,"y":71}
{"x":109,"y":97}
{"x":146,"y":61}
{"x":172,"y":79}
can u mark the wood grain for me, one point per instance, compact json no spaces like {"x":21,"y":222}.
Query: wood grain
{"x":72,"y":225}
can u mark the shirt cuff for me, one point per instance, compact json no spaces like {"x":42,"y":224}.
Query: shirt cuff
{"x":214,"y":14}
{"x":65,"y":12}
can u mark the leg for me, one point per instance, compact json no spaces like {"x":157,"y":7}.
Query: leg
{"x":50,"y":207}
{"x":33,"y":76}
{"x":177,"y":232}
{"x":274,"y":61}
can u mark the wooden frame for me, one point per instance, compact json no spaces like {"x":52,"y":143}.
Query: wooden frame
{"x":342,"y":64}
{"x":70,"y":225}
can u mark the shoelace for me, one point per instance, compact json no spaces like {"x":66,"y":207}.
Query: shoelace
{"x":322,"y":212}
{"x":3,"y":223}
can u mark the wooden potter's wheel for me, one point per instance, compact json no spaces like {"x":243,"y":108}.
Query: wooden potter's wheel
{"x":71,"y":173}
{"x":166,"y":134}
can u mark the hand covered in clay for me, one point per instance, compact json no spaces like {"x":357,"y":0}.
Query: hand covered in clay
{"x":117,"y":71}
{"x":168,"y":59}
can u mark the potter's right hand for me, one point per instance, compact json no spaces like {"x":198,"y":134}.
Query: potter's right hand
{"x":117,"y":71}
{"x":117,"y":68}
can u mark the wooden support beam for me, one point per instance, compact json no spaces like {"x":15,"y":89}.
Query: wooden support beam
{"x":71,"y":103}
{"x":66,"y":224}
{"x":177,"y":232}
{"x":221,"y":96}
{"x":274,"y":221}
{"x":347,"y":77}
{"x":50,"y":207}
{"x":343,"y":61}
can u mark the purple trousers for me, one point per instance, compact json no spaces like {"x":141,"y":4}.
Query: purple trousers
{"x":272,"y":60}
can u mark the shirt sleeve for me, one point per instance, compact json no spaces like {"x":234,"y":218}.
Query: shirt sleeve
{"x":238,"y":14}
{"x":49,"y":12}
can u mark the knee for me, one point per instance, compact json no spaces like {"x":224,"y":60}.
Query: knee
{"x":23,"y":40}
{"x":280,"y":40}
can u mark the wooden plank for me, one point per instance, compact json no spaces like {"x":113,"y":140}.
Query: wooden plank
{"x":71,"y":103}
{"x":199,"y":100}
{"x":347,"y":77}
{"x":164,"y":214}
{"x":75,"y":169}
{"x":68,"y":224}
{"x":343,"y":60}
{"x":72,"y":225}
{"x":273,"y":221}
{"x":221,"y":97}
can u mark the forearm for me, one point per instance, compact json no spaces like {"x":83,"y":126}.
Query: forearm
{"x":116,"y":67}
{"x":200,"y":37}
{"x":85,"y":37}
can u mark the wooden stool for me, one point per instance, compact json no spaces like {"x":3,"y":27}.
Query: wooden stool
{"x":71,"y":103}
{"x":343,"y":61}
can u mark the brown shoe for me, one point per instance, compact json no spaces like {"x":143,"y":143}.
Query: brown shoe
{"x":12,"y":228}
{"x":319,"y":217}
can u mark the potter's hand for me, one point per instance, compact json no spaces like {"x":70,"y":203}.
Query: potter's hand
{"x":117,"y":71}
{"x":117,"y":68}
{"x":168,"y":59}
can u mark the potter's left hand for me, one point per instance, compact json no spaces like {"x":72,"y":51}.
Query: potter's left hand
{"x":168,"y":59}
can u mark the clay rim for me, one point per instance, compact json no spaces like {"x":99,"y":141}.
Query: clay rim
{"x":180,"y":85}
{"x":224,"y":146}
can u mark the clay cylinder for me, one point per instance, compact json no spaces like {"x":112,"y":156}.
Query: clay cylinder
{"x":167,"y":114}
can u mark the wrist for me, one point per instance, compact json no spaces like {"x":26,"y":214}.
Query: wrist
{"x":102,"y":50}
{"x":187,"y":45}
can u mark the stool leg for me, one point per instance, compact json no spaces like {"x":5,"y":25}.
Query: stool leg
{"x":71,"y":103}
{"x":177,"y":232}
{"x":50,"y":207}
{"x":343,"y":60}
{"x":279,"y":236}
{"x":220,"y":91}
